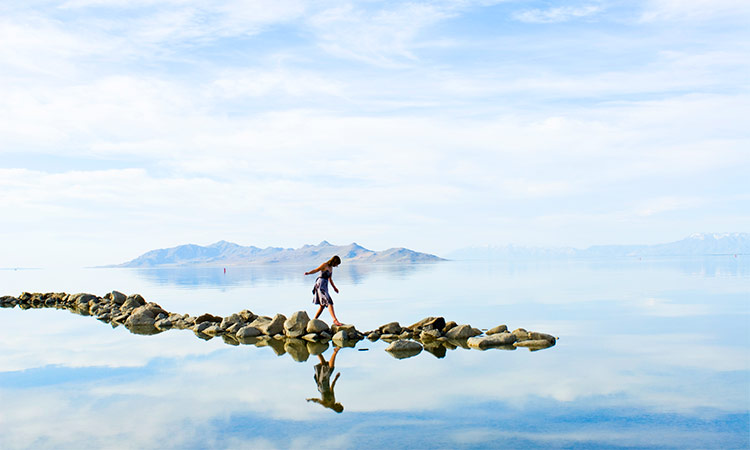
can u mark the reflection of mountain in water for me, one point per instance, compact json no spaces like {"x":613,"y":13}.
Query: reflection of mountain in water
{"x":224,"y":254}
{"x":267,"y":274}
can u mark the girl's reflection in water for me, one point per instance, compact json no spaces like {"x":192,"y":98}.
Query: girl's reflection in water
{"x":322,"y":376}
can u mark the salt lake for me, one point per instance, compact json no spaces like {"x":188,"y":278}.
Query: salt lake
{"x":652,"y":353}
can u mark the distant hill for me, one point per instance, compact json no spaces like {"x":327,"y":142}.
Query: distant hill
{"x":699,"y":244}
{"x":225,"y":253}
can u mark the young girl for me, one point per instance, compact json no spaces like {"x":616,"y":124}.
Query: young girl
{"x":320,"y":291}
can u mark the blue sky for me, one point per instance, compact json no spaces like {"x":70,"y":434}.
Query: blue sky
{"x":132,"y":125}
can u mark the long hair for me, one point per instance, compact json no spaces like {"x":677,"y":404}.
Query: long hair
{"x":335,"y":261}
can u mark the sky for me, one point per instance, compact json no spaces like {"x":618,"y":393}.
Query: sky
{"x":130,"y":125}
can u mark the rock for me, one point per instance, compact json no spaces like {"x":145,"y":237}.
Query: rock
{"x":492,"y":341}
{"x":536,"y":336}
{"x":404,"y":349}
{"x":202,"y":326}
{"x":316,"y":326}
{"x":248,"y":331}
{"x":121,"y":318}
{"x":274,"y":326}
{"x":521,"y":334}
{"x":8,"y":301}
{"x":296,"y":325}
{"x":208,"y":318}
{"x":429,"y":323}
{"x":247,"y":315}
{"x":497,"y":329}
{"x":429,"y":335}
{"x":406,"y":334}
{"x":229,"y":321}
{"x":118,"y":298}
{"x":449,"y":326}
{"x":234,"y":328}
{"x":373,"y":336}
{"x":462,"y":332}
{"x":297,"y":349}
{"x":391,"y":328}
{"x":311,"y":337}
{"x":340,"y":336}
{"x":136,"y":300}
{"x":142,"y":315}
{"x":129,"y":303}
{"x":81,"y":301}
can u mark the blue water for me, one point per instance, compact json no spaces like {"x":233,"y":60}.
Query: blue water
{"x":652,"y":353}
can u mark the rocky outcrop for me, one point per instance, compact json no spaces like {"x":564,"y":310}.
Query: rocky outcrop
{"x":299,"y":336}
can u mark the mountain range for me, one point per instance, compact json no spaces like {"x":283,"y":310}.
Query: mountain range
{"x":699,"y":244}
{"x":225,"y":253}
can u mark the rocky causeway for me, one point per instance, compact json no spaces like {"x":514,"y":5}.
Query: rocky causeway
{"x":296,"y":335}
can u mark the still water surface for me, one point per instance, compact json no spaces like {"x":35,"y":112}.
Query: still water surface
{"x":651,"y":354}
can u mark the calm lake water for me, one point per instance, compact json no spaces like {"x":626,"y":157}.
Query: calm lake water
{"x":651,"y":354}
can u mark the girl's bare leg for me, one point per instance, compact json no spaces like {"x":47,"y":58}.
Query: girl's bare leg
{"x":333,"y":314}
{"x":320,"y":310}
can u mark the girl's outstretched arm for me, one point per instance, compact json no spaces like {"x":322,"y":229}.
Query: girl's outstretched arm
{"x":320,"y":267}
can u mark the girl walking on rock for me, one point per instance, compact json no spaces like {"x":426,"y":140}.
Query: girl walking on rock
{"x":320,"y":291}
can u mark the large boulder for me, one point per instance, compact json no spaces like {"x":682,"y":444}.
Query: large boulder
{"x":296,"y":325}
{"x":316,"y":326}
{"x":462,"y":332}
{"x":390,"y":328}
{"x":248,"y":331}
{"x":117,"y":298}
{"x":274,"y":326}
{"x":142,"y":315}
{"x":404,"y":349}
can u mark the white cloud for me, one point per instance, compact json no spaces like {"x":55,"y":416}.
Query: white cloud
{"x":695,"y":10}
{"x":383,"y":37}
{"x":557,"y":14}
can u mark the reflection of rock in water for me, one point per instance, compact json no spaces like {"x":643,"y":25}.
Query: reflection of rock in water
{"x":298,"y":336}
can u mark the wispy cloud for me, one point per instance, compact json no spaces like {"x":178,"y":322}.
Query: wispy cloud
{"x":557,"y":14}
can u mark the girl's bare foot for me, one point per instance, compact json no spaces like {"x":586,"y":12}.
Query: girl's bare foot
{"x":337,"y":323}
